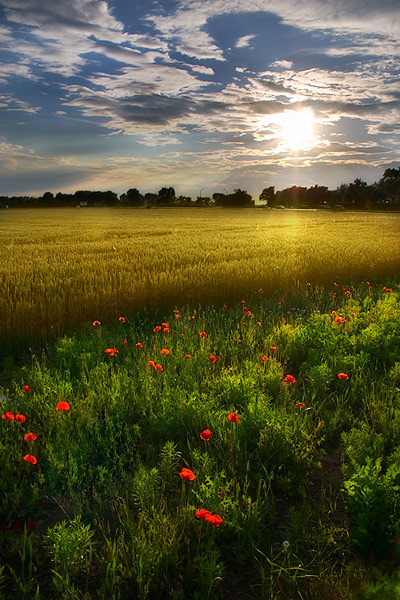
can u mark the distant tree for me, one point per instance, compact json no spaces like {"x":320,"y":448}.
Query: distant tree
{"x":150,"y":200}
{"x":388,"y":188}
{"x":183,"y":201}
{"x":317,"y":195}
{"x":239,"y":199}
{"x":166,"y":196}
{"x":294,"y":196}
{"x":132,"y":198}
{"x":47,"y":199}
{"x":203,"y":201}
{"x":267,"y":195}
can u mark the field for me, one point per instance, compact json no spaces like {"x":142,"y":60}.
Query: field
{"x":210,"y":408}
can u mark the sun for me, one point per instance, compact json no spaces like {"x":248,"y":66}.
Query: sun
{"x":297,"y":129}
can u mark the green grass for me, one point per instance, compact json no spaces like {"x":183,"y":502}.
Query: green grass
{"x":62,"y":267}
{"x":104,"y":513}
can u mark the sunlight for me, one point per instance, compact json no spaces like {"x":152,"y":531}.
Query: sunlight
{"x":297,"y":131}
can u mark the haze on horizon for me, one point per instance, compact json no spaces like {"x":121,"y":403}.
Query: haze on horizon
{"x":201,"y":95}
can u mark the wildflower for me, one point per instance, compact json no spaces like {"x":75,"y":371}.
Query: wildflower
{"x":166,"y":330}
{"x":187,"y":474}
{"x":164,"y":324}
{"x":31,"y":459}
{"x":26,"y":388}
{"x":334,"y":312}
{"x":96,"y":323}
{"x":9,"y":415}
{"x":264,"y":358}
{"x":340,"y":320}
{"x":335,"y":284}
{"x":177,"y":316}
{"x":244,"y":323}
{"x":30,"y":437}
{"x":388,"y":290}
{"x":205,"y":435}
{"x":233,"y":418}
{"x":157,"y":328}
{"x":343,"y":376}
{"x":121,"y":319}
{"x":62,"y":406}
{"x":20,"y":418}
{"x":347,"y":293}
{"x":124,"y":342}
{"x":245,"y":308}
{"x":139,"y":345}
{"x":258,"y":323}
{"x":249,"y":313}
{"x":203,"y":334}
{"x":285,"y":544}
{"x":243,"y":301}
{"x":214,"y":520}
{"x":164,"y":351}
{"x":158,"y":368}
{"x":111,"y":351}
{"x":289,"y":379}
{"x":212,"y":359}
{"x":182,"y":335}
{"x":334,"y":294}
{"x":281,"y":302}
{"x":202,"y":514}
{"x":299,"y":405}
{"x":152,"y":363}
{"x":273,"y":348}
{"x":187,"y":356}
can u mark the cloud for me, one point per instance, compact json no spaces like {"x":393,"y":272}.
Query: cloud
{"x":244,"y":41}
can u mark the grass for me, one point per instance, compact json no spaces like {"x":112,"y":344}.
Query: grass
{"x":62,"y":267}
{"x":306,"y":482}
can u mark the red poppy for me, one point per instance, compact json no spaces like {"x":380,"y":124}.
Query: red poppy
{"x":30,"y":437}
{"x":3,"y":417}
{"x":214,"y":520}
{"x":258,"y":323}
{"x":187,"y":474}
{"x":212,"y":358}
{"x":265,"y":357}
{"x":10,"y":415}
{"x":273,"y":348}
{"x":31,"y":459}
{"x":164,"y":324}
{"x":152,"y":363}
{"x":20,"y":418}
{"x":111,"y":351}
{"x":26,"y":388}
{"x":388,"y":290}
{"x":139,"y":345}
{"x":233,"y":418}
{"x":245,"y":308}
{"x":164,"y":351}
{"x":243,"y":301}
{"x":299,"y":405}
{"x":182,"y":335}
{"x":347,"y":293}
{"x":281,"y":302}
{"x":334,"y":294}
{"x":203,"y":334}
{"x":249,"y":313}
{"x":187,"y":356}
{"x":177,"y":316}
{"x":166,"y":330}
{"x":157,"y":328}
{"x":158,"y":368}
{"x":352,"y":314}
{"x":340,"y":320}
{"x":96,"y":323}
{"x":343,"y":376}
{"x":205,"y":435}
{"x":334,"y":312}
{"x":125,"y":341}
{"x":62,"y":406}
{"x":202,"y":514}
{"x":121,"y":319}
{"x":289,"y":379}
{"x":239,"y":341}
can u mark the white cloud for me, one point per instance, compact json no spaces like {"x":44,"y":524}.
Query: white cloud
{"x":244,"y":41}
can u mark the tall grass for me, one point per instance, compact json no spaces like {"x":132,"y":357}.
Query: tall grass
{"x":61,"y":267}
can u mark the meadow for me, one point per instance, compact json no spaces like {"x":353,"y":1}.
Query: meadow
{"x":231,"y":432}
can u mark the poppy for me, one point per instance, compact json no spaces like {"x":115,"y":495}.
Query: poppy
{"x":139,"y":345}
{"x":20,"y":418}
{"x":334,"y":312}
{"x":157,"y":328}
{"x":152,"y":363}
{"x":245,"y":308}
{"x":202,"y":514}
{"x":388,"y":290}
{"x":340,"y":320}
{"x":31,"y":459}
{"x":281,"y":302}
{"x":125,"y":341}
{"x":166,"y":330}
{"x":187,"y":474}
{"x":214,"y":520}
{"x":164,"y":351}
{"x":3,"y":417}
{"x":96,"y":323}
{"x":233,"y":418}
{"x":299,"y":405}
{"x":10,"y":415}
{"x":187,"y":356}
{"x":26,"y":388}
{"x":158,"y":368}
{"x":258,"y":323}
{"x":265,"y":358}
{"x":122,"y":319}
{"x":182,"y":335}
{"x":343,"y":376}
{"x":111,"y":351}
{"x":177,"y":316}
{"x":243,"y":301}
{"x":205,"y":435}
{"x":289,"y":379}
{"x":30,"y":437}
{"x":249,"y":313}
{"x":334,"y":294}
{"x":212,"y":359}
{"x":62,"y":406}
{"x":164,"y":324}
{"x":203,"y":334}
{"x":273,"y":348}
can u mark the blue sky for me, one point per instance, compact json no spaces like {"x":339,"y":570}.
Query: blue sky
{"x":205,"y":95}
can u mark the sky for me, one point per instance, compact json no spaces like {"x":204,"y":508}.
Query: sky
{"x":202,"y":95}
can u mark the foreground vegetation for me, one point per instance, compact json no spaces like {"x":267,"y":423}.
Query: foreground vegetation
{"x":59,"y":267}
{"x":248,"y":450}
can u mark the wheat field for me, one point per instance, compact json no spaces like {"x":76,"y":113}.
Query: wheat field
{"x":61,"y":267}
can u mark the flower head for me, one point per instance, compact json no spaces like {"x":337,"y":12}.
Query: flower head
{"x":202,"y":514}
{"x":30,"y":437}
{"x":157,"y":328}
{"x":166,"y":330}
{"x":212,"y":358}
{"x":233,"y":418}
{"x":31,"y":459}
{"x":203,"y":334}
{"x":299,"y":405}
{"x":139,"y":345}
{"x":10,"y":415}
{"x":111,"y":351}
{"x":152,"y":363}
{"x":214,"y":520}
{"x":273,"y":348}
{"x":205,"y":435}
{"x":26,"y":388}
{"x":121,"y":319}
{"x":343,"y":376}
{"x":158,"y":368}
{"x":96,"y":323}
{"x":264,"y":357}
{"x":187,"y":474}
{"x":289,"y":379}
{"x":164,"y":351}
{"x":62,"y":406}
{"x":187,"y":356}
{"x":340,"y":320}
{"x":20,"y":418}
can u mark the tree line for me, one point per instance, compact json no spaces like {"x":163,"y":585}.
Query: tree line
{"x":381,"y":195}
